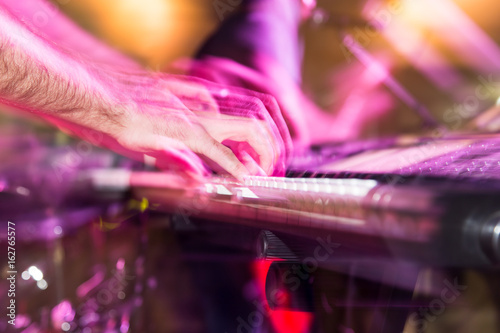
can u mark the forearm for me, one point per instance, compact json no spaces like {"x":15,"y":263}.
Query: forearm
{"x":36,"y":76}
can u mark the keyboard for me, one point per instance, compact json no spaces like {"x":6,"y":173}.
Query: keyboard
{"x":436,"y":201}
{"x":417,"y":218}
{"x":472,"y":159}
{"x":466,"y":158}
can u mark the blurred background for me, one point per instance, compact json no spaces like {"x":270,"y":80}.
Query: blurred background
{"x":440,"y":52}
{"x":373,"y":63}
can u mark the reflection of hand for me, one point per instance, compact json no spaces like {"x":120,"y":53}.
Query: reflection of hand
{"x":489,"y":121}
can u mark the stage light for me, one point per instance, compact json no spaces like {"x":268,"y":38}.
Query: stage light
{"x":35,"y":273}
{"x":42,"y":284}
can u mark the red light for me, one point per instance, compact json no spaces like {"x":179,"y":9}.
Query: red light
{"x":283,"y":321}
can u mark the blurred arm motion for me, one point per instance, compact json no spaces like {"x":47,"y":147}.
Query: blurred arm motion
{"x":179,"y":121}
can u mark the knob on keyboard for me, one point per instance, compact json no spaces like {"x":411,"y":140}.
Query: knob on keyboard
{"x":490,"y":237}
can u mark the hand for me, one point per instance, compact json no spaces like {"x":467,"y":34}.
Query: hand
{"x":272,"y":85}
{"x":138,"y":113}
{"x":229,"y":132}
{"x":211,"y":101}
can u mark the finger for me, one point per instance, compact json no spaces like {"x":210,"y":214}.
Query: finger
{"x":241,"y":153}
{"x":256,"y":86}
{"x":184,"y":166}
{"x":274,"y":111}
{"x":228,"y":97}
{"x":194,"y":95}
{"x":254,"y":135}
{"x":232,"y":100}
{"x":250,"y":163}
{"x":249,"y":107}
{"x":209,"y":148}
{"x":170,"y":154}
{"x":253,"y":108}
{"x":285,"y":141}
{"x":182,"y":162}
{"x":246,"y":130}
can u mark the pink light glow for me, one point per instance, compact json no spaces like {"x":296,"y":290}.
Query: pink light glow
{"x":120,"y":264}
{"x":408,"y":39}
{"x":379,"y":72}
{"x":61,"y":313}
{"x":125,"y":323}
{"x":409,"y":31}
{"x":463,"y":35}
{"x":422,"y":55}
{"x":90,"y":284}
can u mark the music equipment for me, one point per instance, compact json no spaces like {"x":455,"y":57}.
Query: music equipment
{"x":424,"y":200}
{"x":432,"y":201}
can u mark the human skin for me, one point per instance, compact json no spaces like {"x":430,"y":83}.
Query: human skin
{"x":183,"y":123}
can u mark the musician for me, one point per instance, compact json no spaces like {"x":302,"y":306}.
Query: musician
{"x":181,"y":123}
